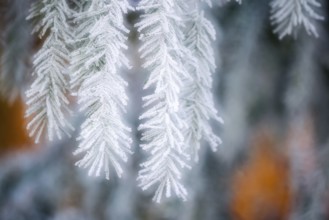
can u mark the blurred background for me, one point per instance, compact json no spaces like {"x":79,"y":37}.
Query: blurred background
{"x":273,"y":163}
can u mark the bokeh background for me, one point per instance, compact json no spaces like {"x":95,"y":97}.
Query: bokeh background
{"x":273,"y":163}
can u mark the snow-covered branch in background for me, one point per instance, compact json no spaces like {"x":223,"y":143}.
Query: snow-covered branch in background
{"x":46,"y":98}
{"x":162,"y":49}
{"x":288,"y":16}
{"x":197,"y":95}
{"x":238,"y":1}
{"x":96,"y":62}
{"x":222,"y":2}
{"x":17,"y":39}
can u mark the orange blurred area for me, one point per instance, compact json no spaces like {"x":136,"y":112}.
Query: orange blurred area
{"x":261,"y":188}
{"x":13,"y":135}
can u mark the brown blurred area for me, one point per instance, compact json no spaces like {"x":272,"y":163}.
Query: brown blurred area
{"x":261,"y":187}
{"x":13,"y":135}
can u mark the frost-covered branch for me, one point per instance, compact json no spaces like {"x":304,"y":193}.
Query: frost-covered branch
{"x":288,"y":16}
{"x":101,"y":37}
{"x":164,"y":140}
{"x":46,"y":98}
{"x":197,"y":96}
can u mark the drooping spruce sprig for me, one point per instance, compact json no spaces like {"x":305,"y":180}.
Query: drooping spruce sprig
{"x":197,"y":95}
{"x":288,"y":16}
{"x":162,"y":49}
{"x":46,"y":98}
{"x":100,"y":42}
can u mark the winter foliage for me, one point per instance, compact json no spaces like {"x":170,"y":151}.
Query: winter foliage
{"x":46,"y":98}
{"x":96,"y":62}
{"x":288,"y":16}
{"x":83,"y":53}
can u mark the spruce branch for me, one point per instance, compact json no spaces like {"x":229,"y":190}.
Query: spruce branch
{"x":288,"y":16}
{"x":96,"y":62}
{"x":48,"y":105}
{"x":162,"y":48}
{"x":197,"y":96}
